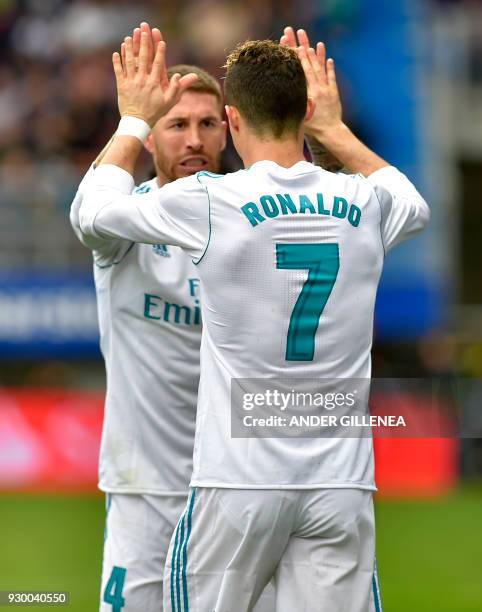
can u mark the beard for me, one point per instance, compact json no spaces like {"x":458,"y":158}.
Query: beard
{"x":168,"y":172}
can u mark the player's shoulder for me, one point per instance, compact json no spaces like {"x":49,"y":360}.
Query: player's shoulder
{"x":208,"y":174}
{"x":345,"y":177}
{"x":354,"y":188}
{"x":179,"y":188}
{"x":352,"y":183}
{"x":212,"y":183}
{"x":206,"y":178}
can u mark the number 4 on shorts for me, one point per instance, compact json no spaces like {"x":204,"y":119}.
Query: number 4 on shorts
{"x":114,"y":587}
{"x":322,"y":262}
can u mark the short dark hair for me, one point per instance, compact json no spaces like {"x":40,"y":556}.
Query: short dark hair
{"x":266,"y":83}
{"x":205,"y":83}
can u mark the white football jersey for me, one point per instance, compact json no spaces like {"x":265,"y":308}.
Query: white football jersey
{"x":150,"y":334}
{"x":256,"y":236}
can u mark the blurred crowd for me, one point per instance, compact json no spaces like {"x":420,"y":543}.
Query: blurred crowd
{"x":58,"y":106}
{"x":57,"y":95}
{"x":56,"y":109}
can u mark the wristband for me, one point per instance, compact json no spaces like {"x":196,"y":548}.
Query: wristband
{"x":133,"y":126}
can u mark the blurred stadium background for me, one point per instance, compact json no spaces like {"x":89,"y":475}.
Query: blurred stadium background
{"x":411,"y":78}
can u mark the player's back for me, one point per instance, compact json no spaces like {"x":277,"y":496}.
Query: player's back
{"x":289,"y":261}
{"x":291,"y":271}
{"x":289,"y":283}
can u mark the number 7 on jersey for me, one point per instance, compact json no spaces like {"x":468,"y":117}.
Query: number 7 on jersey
{"x":322,"y":262}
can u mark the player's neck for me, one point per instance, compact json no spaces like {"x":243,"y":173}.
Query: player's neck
{"x":285,"y":152}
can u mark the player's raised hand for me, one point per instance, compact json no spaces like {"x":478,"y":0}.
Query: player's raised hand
{"x":321,"y":80}
{"x":143,"y":87}
{"x":154,"y":36}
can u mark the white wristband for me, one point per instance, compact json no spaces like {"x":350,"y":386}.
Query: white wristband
{"x":133,"y":126}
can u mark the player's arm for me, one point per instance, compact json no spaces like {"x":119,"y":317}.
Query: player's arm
{"x":177,"y":213}
{"x":105,"y":250}
{"x":326,"y":127}
{"x":154,"y":37}
{"x":144,"y":95}
{"x":319,"y":153}
{"x":404,"y":212}
{"x":321,"y":156}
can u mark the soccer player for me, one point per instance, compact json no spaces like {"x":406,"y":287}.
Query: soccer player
{"x":289,"y":257}
{"x":150,"y":327}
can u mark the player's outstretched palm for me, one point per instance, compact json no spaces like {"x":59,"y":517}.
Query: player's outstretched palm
{"x":143,"y":87}
{"x":321,"y":80}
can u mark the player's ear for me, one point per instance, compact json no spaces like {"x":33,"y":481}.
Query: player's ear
{"x":149,"y":144}
{"x":225,"y":134}
{"x":310,"y":109}
{"x":232,"y":114}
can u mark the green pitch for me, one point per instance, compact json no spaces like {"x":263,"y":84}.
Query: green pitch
{"x":429,"y":553}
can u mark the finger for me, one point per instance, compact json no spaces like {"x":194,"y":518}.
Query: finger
{"x":163,"y":74}
{"x":151,"y":49}
{"x":177,"y":85}
{"x":143,"y":54}
{"x":331,"y":73}
{"x":123,"y":58}
{"x":159,"y":71}
{"x":173,"y":92}
{"x":290,"y":35}
{"x":156,"y":37}
{"x":284,"y":41}
{"x":145,"y":27}
{"x":321,"y":53}
{"x":130,"y":64}
{"x":187,"y":80}
{"x":307,"y":67}
{"x":157,"y":64}
{"x":136,"y":41}
{"x":303,"y":39}
{"x":318,"y":68}
{"x":118,"y":71}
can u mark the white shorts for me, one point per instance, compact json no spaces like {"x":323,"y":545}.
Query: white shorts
{"x":318,"y":546}
{"x":137,"y":535}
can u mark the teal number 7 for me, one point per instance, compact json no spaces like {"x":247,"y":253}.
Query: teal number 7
{"x":323,"y":263}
